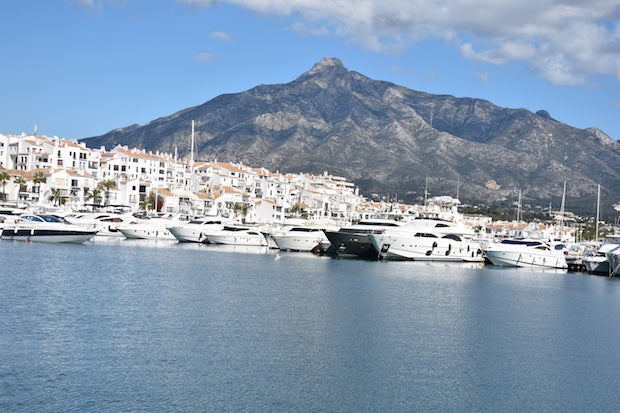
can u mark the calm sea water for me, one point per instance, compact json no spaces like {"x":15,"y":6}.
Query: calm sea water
{"x":133,"y":326}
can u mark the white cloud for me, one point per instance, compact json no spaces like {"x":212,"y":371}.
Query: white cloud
{"x":565,"y":41}
{"x":205,"y":57}
{"x":221,"y":36}
{"x":85,"y":3}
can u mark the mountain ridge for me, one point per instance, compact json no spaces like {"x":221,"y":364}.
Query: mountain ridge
{"x":388,"y":139}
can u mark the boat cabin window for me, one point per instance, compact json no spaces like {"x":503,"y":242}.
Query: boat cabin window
{"x":379,"y":224}
{"x":304,"y":229}
{"x":32,"y":218}
{"x":452,"y":237}
{"x":425,"y":235}
{"x":112,"y":219}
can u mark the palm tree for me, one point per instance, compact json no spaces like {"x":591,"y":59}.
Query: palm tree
{"x":57,"y":197}
{"x":38,"y":179}
{"x":95,"y":195}
{"x":19,"y":180}
{"x":107,"y":186}
{"x":4,"y":178}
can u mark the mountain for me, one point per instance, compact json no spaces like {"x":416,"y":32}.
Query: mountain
{"x":389,"y":139}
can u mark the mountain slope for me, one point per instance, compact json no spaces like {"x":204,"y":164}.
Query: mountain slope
{"x":388,"y":139}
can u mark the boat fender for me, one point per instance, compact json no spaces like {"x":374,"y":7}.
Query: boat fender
{"x":428,"y":253}
{"x":434,"y":245}
{"x":449,"y":249}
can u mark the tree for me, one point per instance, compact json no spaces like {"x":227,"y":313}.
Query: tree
{"x":241,"y":208}
{"x":152,"y":201}
{"x":38,"y":179}
{"x":4,"y":178}
{"x":19,"y":180}
{"x":299,"y":210}
{"x":95,"y":195}
{"x":107,"y":186}
{"x":146,"y":204}
{"x":57,"y":197}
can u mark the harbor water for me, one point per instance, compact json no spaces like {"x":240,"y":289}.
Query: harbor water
{"x":124,"y":326}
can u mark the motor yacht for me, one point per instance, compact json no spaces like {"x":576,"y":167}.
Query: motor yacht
{"x":46,"y":228}
{"x":106,"y":223}
{"x":299,"y":237}
{"x":530,"y":253}
{"x":197,"y":229}
{"x":237,"y":235}
{"x":428,"y":240}
{"x":150,"y":228}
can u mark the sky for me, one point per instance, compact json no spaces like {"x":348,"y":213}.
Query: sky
{"x":81,"y":68}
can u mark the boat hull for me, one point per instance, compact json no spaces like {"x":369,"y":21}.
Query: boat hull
{"x":613,"y":258}
{"x":194,"y":232}
{"x":147,"y":233}
{"x":526,"y":259}
{"x":596,"y":265}
{"x":258,"y":240}
{"x":47,"y":235}
{"x":351,"y":244}
{"x":426,"y":249}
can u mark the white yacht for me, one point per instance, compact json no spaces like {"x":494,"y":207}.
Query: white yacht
{"x":106,"y":223}
{"x":46,"y":228}
{"x":530,"y":253}
{"x":428,"y":240}
{"x":237,"y":235}
{"x":299,"y":237}
{"x":197,"y":229}
{"x":150,"y":228}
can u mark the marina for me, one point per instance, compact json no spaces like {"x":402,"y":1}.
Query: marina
{"x":421,"y":240}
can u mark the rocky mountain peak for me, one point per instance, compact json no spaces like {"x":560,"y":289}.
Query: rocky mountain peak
{"x":328,"y":66}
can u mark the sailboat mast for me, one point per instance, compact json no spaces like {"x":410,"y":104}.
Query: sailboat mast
{"x":425,"y":192}
{"x":598,"y":208}
{"x":191,"y":157}
{"x":562,"y":206}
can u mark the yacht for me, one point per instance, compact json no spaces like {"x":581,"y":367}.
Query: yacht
{"x":237,"y":235}
{"x":353,"y":240}
{"x":197,"y":229}
{"x":46,"y":228}
{"x":299,"y":237}
{"x":150,"y":228}
{"x":530,"y":253}
{"x":106,"y":223}
{"x":428,"y":240}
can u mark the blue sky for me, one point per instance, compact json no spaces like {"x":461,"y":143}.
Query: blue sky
{"x":80,"y":68}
